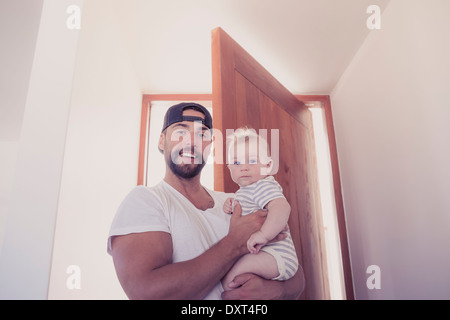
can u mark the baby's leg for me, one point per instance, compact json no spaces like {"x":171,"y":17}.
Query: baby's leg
{"x":263,"y":264}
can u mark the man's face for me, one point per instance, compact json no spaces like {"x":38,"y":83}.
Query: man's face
{"x":186,"y":146}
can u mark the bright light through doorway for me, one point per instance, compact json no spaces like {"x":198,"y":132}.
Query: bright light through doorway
{"x":329,"y":216}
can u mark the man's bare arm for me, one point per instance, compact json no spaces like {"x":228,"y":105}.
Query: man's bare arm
{"x":145,"y":271}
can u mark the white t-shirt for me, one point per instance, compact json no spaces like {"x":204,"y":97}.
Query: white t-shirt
{"x":162,"y":208}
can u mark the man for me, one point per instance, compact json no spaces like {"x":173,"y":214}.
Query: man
{"x":173,"y":241}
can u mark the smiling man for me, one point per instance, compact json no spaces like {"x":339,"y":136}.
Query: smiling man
{"x":173,"y":240}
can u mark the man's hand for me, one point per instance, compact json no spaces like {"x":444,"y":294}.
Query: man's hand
{"x":242,"y":227}
{"x":249,"y":286}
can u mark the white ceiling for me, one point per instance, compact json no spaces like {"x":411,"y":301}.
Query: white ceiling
{"x":305,"y":44}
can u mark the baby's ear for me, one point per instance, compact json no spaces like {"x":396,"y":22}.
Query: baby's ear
{"x":267,"y":169}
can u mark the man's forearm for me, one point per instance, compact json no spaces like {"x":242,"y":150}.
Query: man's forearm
{"x":191,"y":279}
{"x":143,"y":261}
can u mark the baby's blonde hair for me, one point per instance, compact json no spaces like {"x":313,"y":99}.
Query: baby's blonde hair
{"x":247,"y":135}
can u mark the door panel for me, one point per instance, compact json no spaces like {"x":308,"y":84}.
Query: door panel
{"x":245,"y":94}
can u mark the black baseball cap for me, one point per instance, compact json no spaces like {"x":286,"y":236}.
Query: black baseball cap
{"x":175,"y":114}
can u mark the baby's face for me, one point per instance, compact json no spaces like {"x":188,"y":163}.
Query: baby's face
{"x":247,"y":169}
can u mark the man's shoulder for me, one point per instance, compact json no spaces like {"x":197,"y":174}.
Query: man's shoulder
{"x":145,"y":193}
{"x":140,"y":191}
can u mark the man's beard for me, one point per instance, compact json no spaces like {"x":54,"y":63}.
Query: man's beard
{"x":185,"y":170}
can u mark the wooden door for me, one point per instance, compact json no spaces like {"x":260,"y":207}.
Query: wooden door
{"x":245,"y":94}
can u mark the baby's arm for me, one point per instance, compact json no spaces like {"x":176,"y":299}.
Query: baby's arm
{"x":228,"y":205}
{"x":277,"y":218}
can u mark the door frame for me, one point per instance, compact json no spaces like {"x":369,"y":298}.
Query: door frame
{"x":324,"y":102}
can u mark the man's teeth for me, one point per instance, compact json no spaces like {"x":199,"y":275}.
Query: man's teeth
{"x":188,"y":154}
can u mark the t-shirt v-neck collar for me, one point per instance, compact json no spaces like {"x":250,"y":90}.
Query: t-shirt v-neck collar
{"x":179,"y":194}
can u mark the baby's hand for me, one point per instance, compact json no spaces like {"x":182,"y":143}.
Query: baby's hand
{"x":228,"y":205}
{"x":256,"y":242}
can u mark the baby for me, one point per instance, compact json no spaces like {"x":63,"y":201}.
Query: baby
{"x":251,"y":169}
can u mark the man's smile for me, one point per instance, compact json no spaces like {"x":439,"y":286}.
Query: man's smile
{"x":189,"y":156}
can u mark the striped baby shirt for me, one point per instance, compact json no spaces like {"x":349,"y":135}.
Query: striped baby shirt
{"x":256,"y":196}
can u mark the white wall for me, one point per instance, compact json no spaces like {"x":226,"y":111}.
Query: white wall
{"x":16,"y":58}
{"x":19,"y":24}
{"x":391,"y":112}
{"x":34,"y":186}
{"x":101,"y":155}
